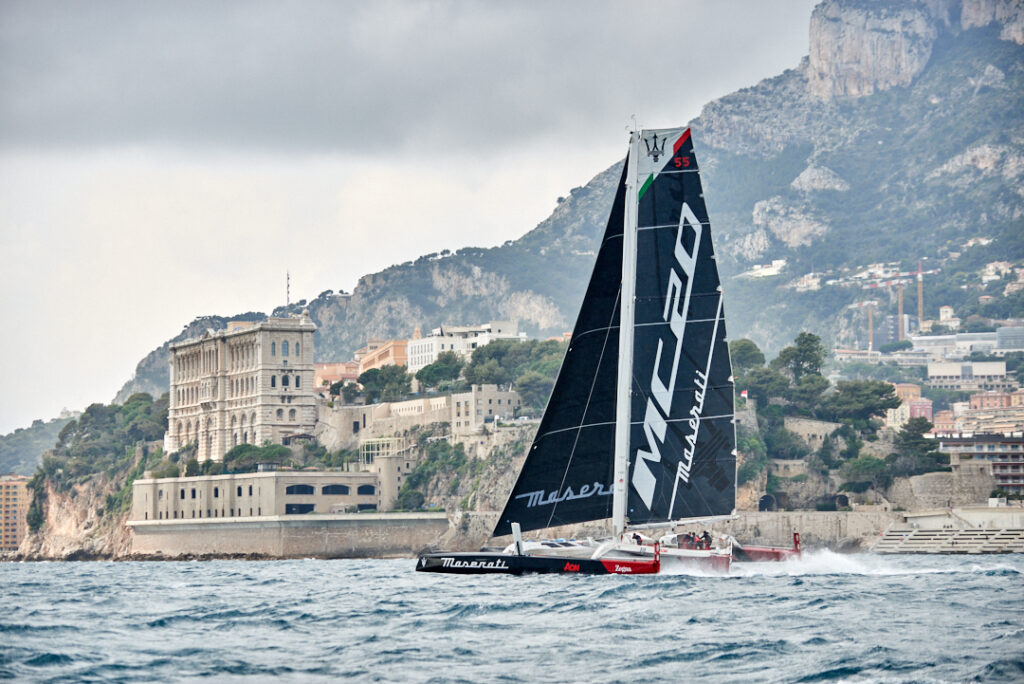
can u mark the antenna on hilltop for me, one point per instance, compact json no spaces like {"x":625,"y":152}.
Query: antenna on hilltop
{"x":287,"y":288}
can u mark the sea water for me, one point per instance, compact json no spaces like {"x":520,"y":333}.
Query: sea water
{"x":823,"y":618}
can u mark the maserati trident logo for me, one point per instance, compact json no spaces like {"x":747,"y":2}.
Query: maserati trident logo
{"x":655,"y":150}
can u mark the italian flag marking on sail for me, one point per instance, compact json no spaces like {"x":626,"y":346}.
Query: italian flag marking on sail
{"x":675,"y":148}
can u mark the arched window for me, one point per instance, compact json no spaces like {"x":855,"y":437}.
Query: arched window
{"x":299,"y":489}
{"x":280,"y":414}
{"x":291,"y":414}
{"x":273,"y":381}
{"x":366,"y":490}
{"x":273,"y":348}
{"x":284,"y":348}
{"x":335,"y":489}
{"x":284,"y":381}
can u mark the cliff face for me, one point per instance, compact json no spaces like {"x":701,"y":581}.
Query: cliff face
{"x":856,"y":50}
{"x":76,"y":526}
{"x":859,"y":48}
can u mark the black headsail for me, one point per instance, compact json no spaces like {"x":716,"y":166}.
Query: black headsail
{"x":567,"y":475}
{"x":682,"y":437}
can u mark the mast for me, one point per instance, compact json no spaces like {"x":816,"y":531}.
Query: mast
{"x":625,"y":368}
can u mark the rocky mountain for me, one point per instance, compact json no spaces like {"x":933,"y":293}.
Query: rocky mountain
{"x":898,"y":138}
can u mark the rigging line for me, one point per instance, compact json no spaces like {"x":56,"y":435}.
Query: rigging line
{"x":586,"y":405}
{"x":696,"y":431}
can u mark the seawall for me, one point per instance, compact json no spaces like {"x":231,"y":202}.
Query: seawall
{"x":362,"y":535}
{"x":836,"y":530}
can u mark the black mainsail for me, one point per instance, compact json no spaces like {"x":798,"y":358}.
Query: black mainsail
{"x":680,"y":438}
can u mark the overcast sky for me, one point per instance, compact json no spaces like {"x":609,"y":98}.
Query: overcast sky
{"x":161,"y":161}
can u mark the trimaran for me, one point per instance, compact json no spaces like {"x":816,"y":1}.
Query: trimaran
{"x":639,"y":427}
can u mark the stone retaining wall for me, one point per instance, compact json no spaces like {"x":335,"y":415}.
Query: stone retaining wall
{"x":322,"y":536}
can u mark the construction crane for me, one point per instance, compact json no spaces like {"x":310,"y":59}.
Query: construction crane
{"x":870,"y":304}
{"x":899,"y":279}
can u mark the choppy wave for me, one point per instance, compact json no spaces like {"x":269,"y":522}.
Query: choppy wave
{"x":824,"y":617}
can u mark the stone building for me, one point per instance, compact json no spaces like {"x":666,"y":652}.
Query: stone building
{"x":971,"y":376}
{"x":243,"y":385}
{"x":471,"y":411}
{"x":13,"y":511}
{"x":812,"y":432}
{"x":254,"y":495}
{"x":1001,"y":455}
{"x":385,"y":353}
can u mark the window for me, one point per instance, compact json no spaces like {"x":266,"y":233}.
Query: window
{"x":239,"y":490}
{"x":298,"y":509}
{"x":296,"y":348}
{"x":335,"y":489}
{"x":182,"y":494}
{"x":366,"y":490}
{"x":193,"y":492}
{"x":284,"y":348}
{"x":273,"y":381}
{"x":280,"y":414}
{"x":297,"y":378}
{"x":291,"y":414}
{"x":284,"y":381}
{"x":216,"y":492}
{"x":273,"y":348}
{"x":299,"y":489}
{"x":250,"y":494}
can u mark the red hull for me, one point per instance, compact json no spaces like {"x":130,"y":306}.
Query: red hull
{"x":768,"y":553}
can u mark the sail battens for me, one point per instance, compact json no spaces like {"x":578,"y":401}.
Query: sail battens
{"x":672,"y":227}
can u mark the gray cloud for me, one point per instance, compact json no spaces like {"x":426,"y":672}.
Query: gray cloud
{"x":365,"y":77}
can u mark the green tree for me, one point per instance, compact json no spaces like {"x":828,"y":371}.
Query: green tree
{"x":745,"y":356}
{"x":534,"y":388}
{"x":754,"y":454}
{"x":447,"y":367}
{"x":349,"y":392}
{"x":806,"y":394}
{"x":866,"y":469}
{"x":804,"y":357}
{"x":191,"y":467}
{"x":915,"y":454}
{"x":397,"y":383}
{"x":891,"y":347}
{"x":410,"y":499}
{"x":372,"y":385}
{"x":859,"y":401}
{"x":781,"y":443}
{"x":764,"y":383}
